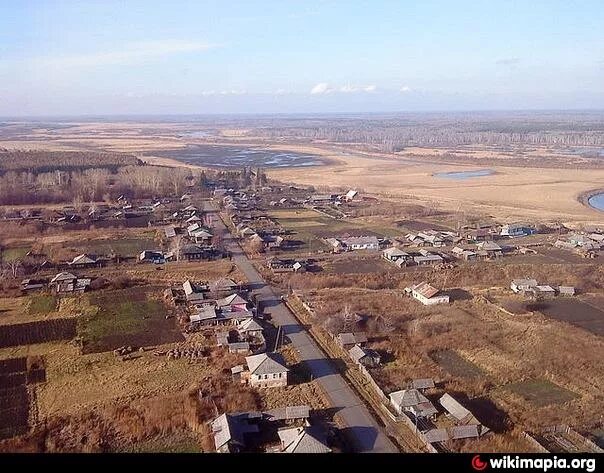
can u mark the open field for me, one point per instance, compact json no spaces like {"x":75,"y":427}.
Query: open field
{"x":574,"y":312}
{"x":126,"y":317}
{"x":456,"y":365}
{"x":519,"y":188}
{"x":541,"y":392}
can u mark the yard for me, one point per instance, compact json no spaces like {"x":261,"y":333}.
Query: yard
{"x":11,"y":254}
{"x":456,"y":365}
{"x":134,"y":317}
{"x":573,"y":311}
{"x":541,"y":392}
{"x":42,"y":304}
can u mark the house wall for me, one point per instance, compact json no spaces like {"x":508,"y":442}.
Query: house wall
{"x":438,"y":299}
{"x":272,"y":380}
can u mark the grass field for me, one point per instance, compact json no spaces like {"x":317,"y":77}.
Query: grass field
{"x":541,"y":392}
{"x":11,"y":254}
{"x":456,"y":365}
{"x":42,"y":304}
{"x":125,"y":317}
{"x":310,"y":227}
{"x":119,"y":246}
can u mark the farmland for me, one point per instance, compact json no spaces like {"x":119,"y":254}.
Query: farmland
{"x":126,"y":317}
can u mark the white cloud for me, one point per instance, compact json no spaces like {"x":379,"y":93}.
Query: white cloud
{"x":320,"y":88}
{"x":129,"y":54}
{"x":405,"y":89}
{"x":325,"y":88}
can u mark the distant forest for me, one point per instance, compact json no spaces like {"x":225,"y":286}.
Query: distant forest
{"x":41,"y":161}
{"x":394,"y":133}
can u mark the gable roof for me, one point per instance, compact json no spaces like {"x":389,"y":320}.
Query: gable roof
{"x":425,"y":290}
{"x":231,"y":300}
{"x":454,"y":407}
{"x":266,"y":363}
{"x":63,"y":276}
{"x":407,"y":398}
{"x":394,"y":252}
{"x":250,"y":325}
{"x":357,"y":353}
{"x":83,"y":259}
{"x":231,"y":428}
{"x":303,"y":440}
{"x":422,"y":383}
{"x":348,"y":338}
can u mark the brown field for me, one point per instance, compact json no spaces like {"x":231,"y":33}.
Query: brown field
{"x":513,"y":192}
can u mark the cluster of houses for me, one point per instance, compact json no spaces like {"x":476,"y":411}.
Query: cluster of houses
{"x":62,"y":283}
{"x":421,"y":257}
{"x":529,"y":287}
{"x":281,"y":430}
{"x":453,"y":421}
{"x":586,"y":244}
{"x":259,"y":229}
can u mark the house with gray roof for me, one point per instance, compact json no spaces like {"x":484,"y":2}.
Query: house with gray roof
{"x":413,"y":401}
{"x":267,"y":370}
{"x":307,"y":439}
{"x":230,"y":430}
{"x":365,"y":356}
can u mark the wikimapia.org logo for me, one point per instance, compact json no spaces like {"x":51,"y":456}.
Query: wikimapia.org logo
{"x":543,"y":464}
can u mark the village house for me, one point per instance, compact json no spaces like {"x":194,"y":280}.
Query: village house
{"x":394,"y":254}
{"x":194,"y":293}
{"x":85,"y":261}
{"x":350,"y":195}
{"x":360,"y":243}
{"x":545,"y":291}
{"x":250,"y":328}
{"x":148,"y":256}
{"x":462,"y":417}
{"x":516,"y":230}
{"x":422,"y":384}
{"x":413,"y":401}
{"x":230,"y":430}
{"x":566,"y":290}
{"x":170,"y":231}
{"x":266,"y":370}
{"x":365,"y":356}
{"x":427,"y":294}
{"x":286,"y":265}
{"x":196,"y":252}
{"x":65,"y":282}
{"x":490,"y":249}
{"x":426,"y":259}
{"x":31,"y":285}
{"x":305,"y":439}
{"x":223,"y":285}
{"x":475,"y":235}
{"x":521,"y":286}
{"x":464,"y":254}
{"x":347,"y":340}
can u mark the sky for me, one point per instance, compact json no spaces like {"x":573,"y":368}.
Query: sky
{"x":105,"y":57}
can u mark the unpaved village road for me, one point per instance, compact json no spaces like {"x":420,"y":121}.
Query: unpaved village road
{"x":362,"y":429}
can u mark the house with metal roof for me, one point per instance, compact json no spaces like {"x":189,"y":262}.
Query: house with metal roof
{"x":267,"y":370}
{"x":422,"y":384}
{"x":427,"y":294}
{"x":413,"y":401}
{"x":230,"y":430}
{"x":365,"y":356}
{"x":307,"y":439}
{"x":348,"y":339}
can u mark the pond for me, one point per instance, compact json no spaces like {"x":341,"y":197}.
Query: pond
{"x":237,"y":156}
{"x":597,"y":201}
{"x":463,"y":175}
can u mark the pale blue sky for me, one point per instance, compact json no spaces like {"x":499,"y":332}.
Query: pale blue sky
{"x":142,"y":57}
